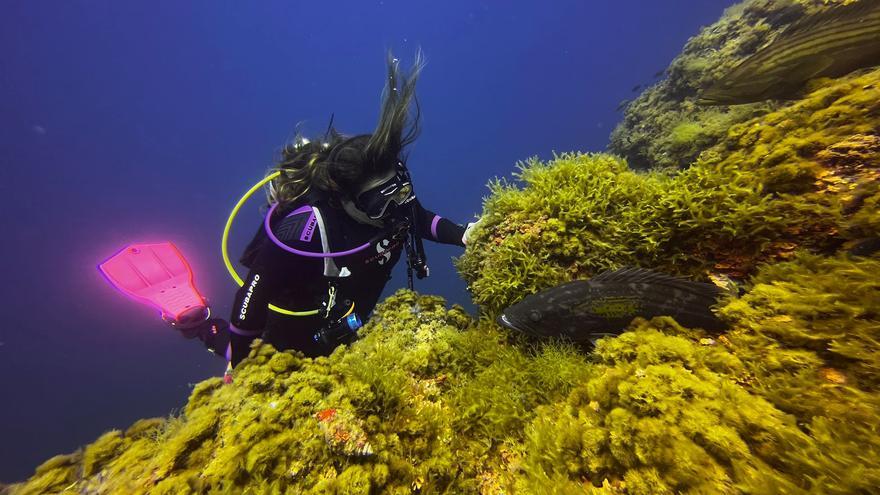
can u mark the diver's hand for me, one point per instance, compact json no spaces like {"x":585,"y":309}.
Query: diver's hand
{"x":216,"y":336}
{"x":467,"y":231}
{"x":214,"y":333}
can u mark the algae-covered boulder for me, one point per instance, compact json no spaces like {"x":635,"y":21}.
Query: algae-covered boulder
{"x":806,"y":175}
{"x":785,"y":402}
{"x":432,"y":401}
{"x":664,"y":126}
{"x":428,"y":400}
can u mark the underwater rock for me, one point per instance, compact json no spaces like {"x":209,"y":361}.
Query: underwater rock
{"x":786,"y":401}
{"x":854,"y":152}
{"x":829,"y":43}
{"x":651,"y":134}
{"x":804,"y":176}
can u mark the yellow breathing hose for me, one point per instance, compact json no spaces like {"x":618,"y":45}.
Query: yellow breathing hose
{"x":224,"y":247}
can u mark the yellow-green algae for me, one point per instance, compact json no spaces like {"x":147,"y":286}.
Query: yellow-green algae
{"x":436,"y":394}
{"x":758,"y":410}
{"x":455,"y":405}
{"x":664,"y":126}
{"x":806,"y":175}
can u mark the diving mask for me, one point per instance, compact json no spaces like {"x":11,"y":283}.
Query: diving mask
{"x":376,"y":196}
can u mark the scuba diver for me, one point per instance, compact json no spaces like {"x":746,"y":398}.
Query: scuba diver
{"x":342,"y":212}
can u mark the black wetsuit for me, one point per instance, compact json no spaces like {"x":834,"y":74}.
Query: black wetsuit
{"x":300,"y":283}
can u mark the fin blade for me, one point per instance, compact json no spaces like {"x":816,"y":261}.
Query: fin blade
{"x":154,"y":274}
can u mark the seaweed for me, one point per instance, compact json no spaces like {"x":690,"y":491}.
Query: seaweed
{"x":650,"y":134}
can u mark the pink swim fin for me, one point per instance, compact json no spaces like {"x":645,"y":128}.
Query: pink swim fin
{"x":158,"y":275}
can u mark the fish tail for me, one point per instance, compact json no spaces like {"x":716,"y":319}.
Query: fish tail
{"x":690,"y":306}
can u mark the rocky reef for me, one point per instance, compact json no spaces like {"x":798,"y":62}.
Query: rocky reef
{"x":665,"y":126}
{"x":781,"y":202}
{"x":433,"y":401}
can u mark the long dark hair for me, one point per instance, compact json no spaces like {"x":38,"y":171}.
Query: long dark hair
{"x":334,"y":162}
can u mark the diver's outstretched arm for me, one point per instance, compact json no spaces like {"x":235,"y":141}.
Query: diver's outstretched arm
{"x":438,"y":229}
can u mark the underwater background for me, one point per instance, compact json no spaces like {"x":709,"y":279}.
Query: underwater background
{"x":745,"y":153}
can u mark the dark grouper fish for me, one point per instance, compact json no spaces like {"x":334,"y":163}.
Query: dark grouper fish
{"x":585,"y":310}
{"x":827,"y":44}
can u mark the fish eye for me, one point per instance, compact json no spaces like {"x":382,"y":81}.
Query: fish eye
{"x":535,"y":315}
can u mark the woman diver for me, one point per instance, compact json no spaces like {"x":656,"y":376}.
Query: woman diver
{"x":343,"y":210}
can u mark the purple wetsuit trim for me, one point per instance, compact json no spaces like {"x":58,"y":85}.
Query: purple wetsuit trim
{"x":307,"y":232}
{"x":244,"y":333}
{"x":301,"y":209}
{"x":434,"y":225}
{"x":310,"y":228}
{"x":310,"y":254}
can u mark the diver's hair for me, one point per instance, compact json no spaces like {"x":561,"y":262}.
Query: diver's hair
{"x":335,"y":163}
{"x":397,"y":128}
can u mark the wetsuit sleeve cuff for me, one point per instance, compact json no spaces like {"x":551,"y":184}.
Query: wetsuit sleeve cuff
{"x":244,"y":333}
{"x":446,"y":232}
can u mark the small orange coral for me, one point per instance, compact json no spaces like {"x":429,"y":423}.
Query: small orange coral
{"x":325,"y":414}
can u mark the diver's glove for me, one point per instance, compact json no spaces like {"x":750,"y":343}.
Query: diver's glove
{"x":467,"y":231}
{"x":214,"y":333}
